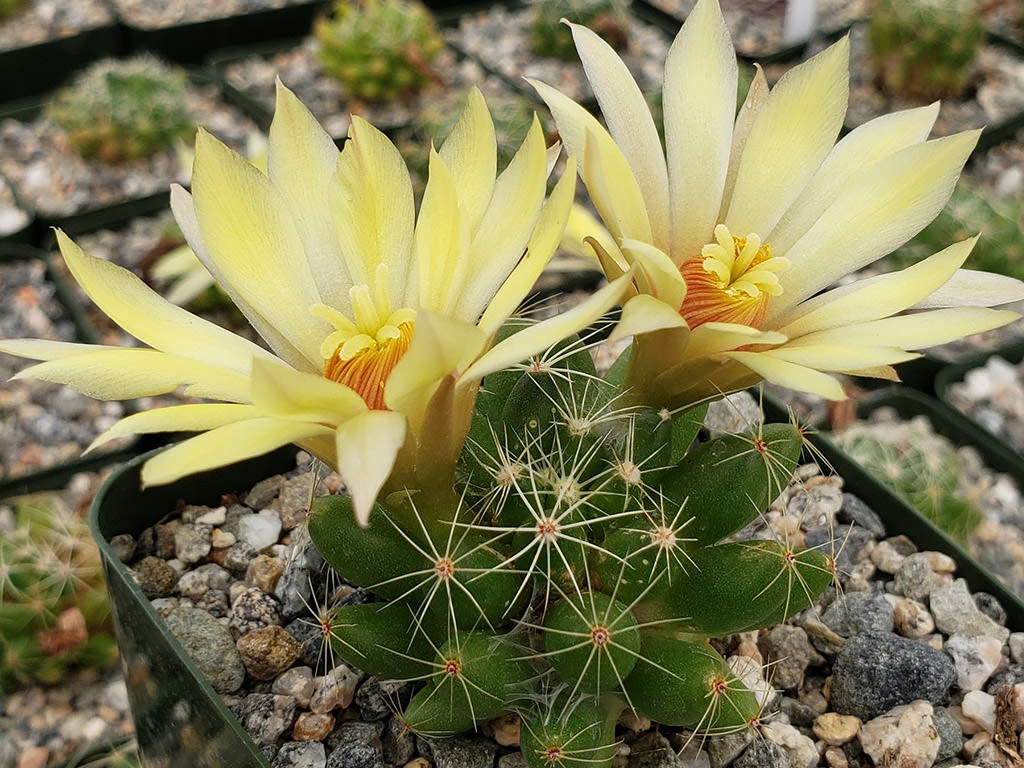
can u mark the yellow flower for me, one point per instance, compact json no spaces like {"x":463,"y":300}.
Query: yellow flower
{"x":736,"y":228}
{"x":381,"y":322}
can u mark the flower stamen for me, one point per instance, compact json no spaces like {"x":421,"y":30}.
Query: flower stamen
{"x":731,"y":280}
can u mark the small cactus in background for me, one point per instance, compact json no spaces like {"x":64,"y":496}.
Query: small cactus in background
{"x":11,"y":7}
{"x":379,"y":50}
{"x":123,"y":110}
{"x":923,"y":49}
{"x":974,"y":210}
{"x":923,"y":467}
{"x":549,"y":37}
{"x":53,"y":603}
{"x":581,"y":568}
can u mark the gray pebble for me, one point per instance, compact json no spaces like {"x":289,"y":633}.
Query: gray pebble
{"x":951,"y":737}
{"x":375,"y":697}
{"x":253,"y":609}
{"x":990,"y":606}
{"x":915,"y":578}
{"x":763,"y":754}
{"x":266,"y":716}
{"x":860,"y":514}
{"x":722,"y":750}
{"x":210,"y":645}
{"x":876,"y":671}
{"x":464,"y":752}
{"x":858,"y":612}
{"x":789,"y":652}
{"x":237,"y":558}
{"x":123,"y":546}
{"x":196,"y":583}
{"x":954,"y":611}
{"x":652,"y":750}
{"x":301,"y":754}
{"x":215,"y":602}
{"x":398,"y":742}
{"x":355,"y":745}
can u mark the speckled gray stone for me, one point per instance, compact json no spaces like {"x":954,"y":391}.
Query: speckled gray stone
{"x":210,"y":645}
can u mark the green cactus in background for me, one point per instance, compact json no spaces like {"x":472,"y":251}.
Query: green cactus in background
{"x":53,"y":603}
{"x":583,"y":565}
{"x":973,"y":210}
{"x":922,"y":467}
{"x":923,"y":49}
{"x":379,"y":50}
{"x":549,"y":37}
{"x":11,"y":7}
{"x":120,"y":110}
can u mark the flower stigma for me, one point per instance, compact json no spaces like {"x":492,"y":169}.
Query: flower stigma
{"x":362,"y":353}
{"x":731,"y":280}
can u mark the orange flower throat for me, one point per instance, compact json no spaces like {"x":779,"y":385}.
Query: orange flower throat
{"x":366,"y":372}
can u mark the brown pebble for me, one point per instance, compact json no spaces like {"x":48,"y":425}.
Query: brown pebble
{"x":311,"y":726}
{"x":835,"y":729}
{"x":268,"y":651}
{"x":33,"y":757}
{"x":505,"y":730}
{"x":264,"y":572}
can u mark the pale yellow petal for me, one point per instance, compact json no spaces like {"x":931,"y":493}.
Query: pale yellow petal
{"x":285,"y":393}
{"x":700,"y":108}
{"x":644,"y":314}
{"x":618,"y":198}
{"x":630,"y":123}
{"x":254,"y":246}
{"x":501,"y":239}
{"x":123,"y":374}
{"x":970,"y":288}
{"x":749,"y":112}
{"x":863,"y":147}
{"x":790,"y":375}
{"x":441,"y":241}
{"x":48,"y":349}
{"x":542,"y":245}
{"x":656,"y":273}
{"x":878,"y":296}
{"x":918,"y":330}
{"x":367,"y":447}
{"x":373,"y":209}
{"x":300,"y":162}
{"x":471,"y":154}
{"x":152,"y":319}
{"x":223,"y":446}
{"x":441,"y":346}
{"x":712,"y":338}
{"x":874,"y":214}
{"x":198,"y":417}
{"x":184,"y":213}
{"x":536,"y":338}
{"x":791,"y":137}
{"x":840,"y":357}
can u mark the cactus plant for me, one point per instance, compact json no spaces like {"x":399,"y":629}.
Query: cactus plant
{"x":123,"y":110}
{"x":581,"y":568}
{"x":973,"y":209}
{"x":53,"y":605}
{"x":11,"y":7}
{"x":921,"y":466}
{"x":923,"y":49}
{"x":609,"y":18}
{"x":379,"y":50}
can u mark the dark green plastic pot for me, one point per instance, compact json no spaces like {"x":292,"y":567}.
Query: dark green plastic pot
{"x":33,"y":69}
{"x":180,"y":721}
{"x":899,"y":516}
{"x":193,"y":42}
